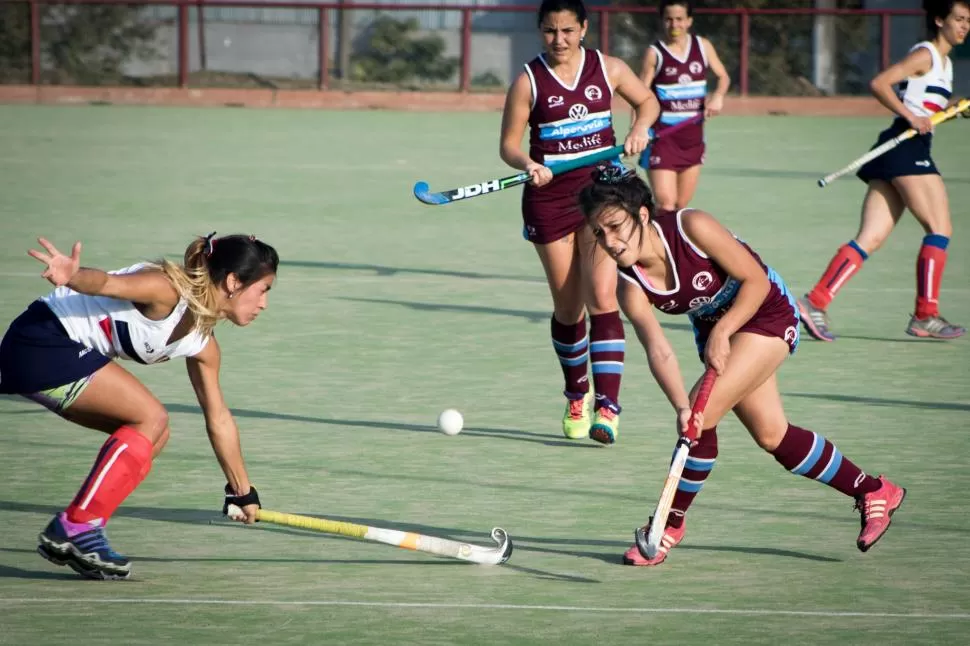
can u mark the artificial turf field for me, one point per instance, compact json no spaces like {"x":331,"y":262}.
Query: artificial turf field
{"x":387,"y":311}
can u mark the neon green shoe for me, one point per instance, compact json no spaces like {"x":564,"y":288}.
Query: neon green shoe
{"x":575,"y":422}
{"x":606,"y":426}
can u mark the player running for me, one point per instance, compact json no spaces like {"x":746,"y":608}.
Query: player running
{"x":59,"y":353}
{"x":675,"y":69}
{"x":564,"y":97}
{"x":904,"y":178}
{"x":745,"y":324}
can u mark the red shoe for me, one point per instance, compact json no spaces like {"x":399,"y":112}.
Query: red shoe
{"x":672,"y":536}
{"x":877,"y":509}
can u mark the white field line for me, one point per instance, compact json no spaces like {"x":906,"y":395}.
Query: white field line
{"x":74,"y":601}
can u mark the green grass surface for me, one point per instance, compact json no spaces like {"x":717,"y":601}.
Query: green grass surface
{"x":386,"y":312}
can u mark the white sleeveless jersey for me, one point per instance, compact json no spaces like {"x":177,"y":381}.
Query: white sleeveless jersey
{"x":926,"y":95}
{"x":116,"y":328}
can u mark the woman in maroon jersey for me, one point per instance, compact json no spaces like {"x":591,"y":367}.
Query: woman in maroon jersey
{"x":675,"y":68}
{"x":745,"y":323}
{"x":564,"y":97}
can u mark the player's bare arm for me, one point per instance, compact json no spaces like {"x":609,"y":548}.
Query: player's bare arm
{"x":916,"y":63}
{"x":660,"y":354}
{"x":716,"y":102}
{"x":648,"y":70}
{"x":646,"y":108}
{"x":220,"y":426}
{"x":515,"y":118}
{"x":150,"y":288}
{"x":725,"y":250}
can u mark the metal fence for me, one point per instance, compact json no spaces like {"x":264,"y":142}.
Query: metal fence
{"x":440,"y":46}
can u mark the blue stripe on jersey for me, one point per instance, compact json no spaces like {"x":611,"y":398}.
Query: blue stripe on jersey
{"x":672,"y":118}
{"x":124,"y":338}
{"x":936,"y":89}
{"x":575,"y":129}
{"x":674,"y":92}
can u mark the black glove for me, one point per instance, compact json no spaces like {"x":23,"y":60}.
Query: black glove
{"x":251,"y":498}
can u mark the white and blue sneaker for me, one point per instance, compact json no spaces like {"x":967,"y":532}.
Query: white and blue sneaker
{"x":82,"y":546}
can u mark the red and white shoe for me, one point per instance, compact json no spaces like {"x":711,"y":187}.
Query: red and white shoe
{"x":877,"y":509}
{"x":671,"y":537}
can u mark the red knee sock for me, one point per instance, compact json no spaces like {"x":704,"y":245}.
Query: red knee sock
{"x":929,"y":274}
{"x":124,"y":461}
{"x":847,"y":261}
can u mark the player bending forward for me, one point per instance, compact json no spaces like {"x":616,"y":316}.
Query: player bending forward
{"x":59,"y":353}
{"x":745,"y":323}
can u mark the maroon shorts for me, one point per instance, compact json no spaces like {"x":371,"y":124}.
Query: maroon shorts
{"x":669,"y":154}
{"x":552,"y":212}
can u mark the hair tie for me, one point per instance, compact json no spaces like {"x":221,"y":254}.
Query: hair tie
{"x":252,"y":238}
{"x":611,"y":174}
{"x":210,"y":244}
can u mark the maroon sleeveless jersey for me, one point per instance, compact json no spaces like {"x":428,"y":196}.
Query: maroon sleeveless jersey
{"x":704,"y":291}
{"x":681,"y":87}
{"x":567,"y":120}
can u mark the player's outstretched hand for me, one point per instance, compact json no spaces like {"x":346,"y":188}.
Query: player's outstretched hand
{"x":637,"y":141}
{"x":684,"y":420}
{"x":241,"y":508}
{"x":60,"y":268}
{"x":541,"y":175}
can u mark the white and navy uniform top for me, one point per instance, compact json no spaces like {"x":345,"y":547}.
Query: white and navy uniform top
{"x":116,"y":329}
{"x":929,"y":93}
{"x":924,"y":96}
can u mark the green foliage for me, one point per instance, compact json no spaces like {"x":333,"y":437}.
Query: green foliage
{"x":780,"y":54}
{"x":86,"y":45}
{"x":394,"y":54}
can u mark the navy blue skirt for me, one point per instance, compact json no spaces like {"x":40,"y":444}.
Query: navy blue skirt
{"x":37,"y":354}
{"x":911,"y":157}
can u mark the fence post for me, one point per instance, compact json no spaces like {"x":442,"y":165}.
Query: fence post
{"x":183,"y":45}
{"x":604,"y":33}
{"x":466,"y":50}
{"x":884,"y":41}
{"x":34,"y":42}
{"x":323,"y":48}
{"x":745,"y":46}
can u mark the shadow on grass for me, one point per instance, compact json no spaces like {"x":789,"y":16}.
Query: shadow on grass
{"x":383,"y":270}
{"x":529,"y":315}
{"x":878,"y":401}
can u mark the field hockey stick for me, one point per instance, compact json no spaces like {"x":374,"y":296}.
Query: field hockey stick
{"x":500,"y":553}
{"x":649,"y":542}
{"x":423,"y":192}
{"x":936,"y":119}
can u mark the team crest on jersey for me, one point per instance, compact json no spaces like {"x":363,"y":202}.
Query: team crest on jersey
{"x":684,"y":79}
{"x":555,"y":101}
{"x":697,"y":301}
{"x":578,"y":111}
{"x":593,"y":93}
{"x":695,"y":67}
{"x":791,"y":333}
{"x":702,"y":280}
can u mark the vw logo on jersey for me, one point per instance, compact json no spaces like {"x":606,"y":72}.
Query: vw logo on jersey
{"x":578,"y":111}
{"x":702,"y":280}
{"x":593,"y":93}
{"x":791,"y":333}
{"x":697,"y":301}
{"x":684,"y":79}
{"x":555,"y":101}
{"x":695,"y":67}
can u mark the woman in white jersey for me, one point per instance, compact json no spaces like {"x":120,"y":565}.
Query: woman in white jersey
{"x":904,"y":178}
{"x":60,"y":353}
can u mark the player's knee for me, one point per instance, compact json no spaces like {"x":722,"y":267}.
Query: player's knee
{"x":154,"y":423}
{"x":159,"y":444}
{"x":768,"y":438}
{"x":871,"y":241}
